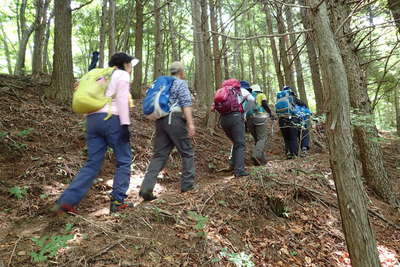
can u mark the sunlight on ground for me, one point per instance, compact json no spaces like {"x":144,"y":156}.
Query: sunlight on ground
{"x":388,"y":258}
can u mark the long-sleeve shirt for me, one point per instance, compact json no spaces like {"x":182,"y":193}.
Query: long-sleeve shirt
{"x":180,"y":94}
{"x":118,"y":90}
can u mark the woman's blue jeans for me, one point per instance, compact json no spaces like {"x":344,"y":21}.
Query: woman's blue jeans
{"x":101,"y":134}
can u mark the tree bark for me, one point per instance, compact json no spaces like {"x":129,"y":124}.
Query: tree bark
{"x":138,"y":71}
{"x":314,"y":65}
{"x":6,"y":48}
{"x":215,"y":40}
{"x":111,"y":33}
{"x":47,"y":67}
{"x":296,"y":56}
{"x":359,"y":236}
{"x":287,"y":67}
{"x":270,"y":29}
{"x":39,"y":37}
{"x":200,"y":66}
{"x":173,"y":36}
{"x":205,"y":29}
{"x":365,"y":129}
{"x":62,"y":78}
{"x":103,"y":32}
{"x":158,"y":39}
{"x":397,"y":108}
{"x":394,"y":6}
{"x":25,"y":33}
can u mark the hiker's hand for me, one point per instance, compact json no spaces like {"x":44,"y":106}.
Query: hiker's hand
{"x":125,"y":135}
{"x":191,"y":130}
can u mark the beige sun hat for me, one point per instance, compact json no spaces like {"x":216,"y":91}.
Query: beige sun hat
{"x":256,"y":88}
{"x":176,"y":67}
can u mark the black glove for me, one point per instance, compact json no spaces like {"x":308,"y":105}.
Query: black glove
{"x":125,"y":135}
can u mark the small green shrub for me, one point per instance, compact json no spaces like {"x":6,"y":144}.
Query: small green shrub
{"x":200,"y":222}
{"x":18,"y":192}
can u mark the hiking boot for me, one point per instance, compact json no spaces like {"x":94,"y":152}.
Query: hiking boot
{"x":118,"y":206}
{"x":63,"y":209}
{"x":304,"y":152}
{"x":242,"y":174}
{"x":147,"y":196}
{"x":193,"y":187}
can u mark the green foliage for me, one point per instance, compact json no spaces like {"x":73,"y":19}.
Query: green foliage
{"x":239,"y":259}
{"x":49,"y":246}
{"x":18,"y":192}
{"x":25,"y":132}
{"x":200,"y":222}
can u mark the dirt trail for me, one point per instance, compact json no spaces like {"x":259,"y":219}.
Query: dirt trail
{"x":282,"y":215}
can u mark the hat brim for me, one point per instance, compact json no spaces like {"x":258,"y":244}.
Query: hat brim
{"x":134,"y":62}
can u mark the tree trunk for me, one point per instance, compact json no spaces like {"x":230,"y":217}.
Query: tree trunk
{"x":111,"y":33}
{"x":200,"y":66}
{"x":158,"y":39}
{"x":126,"y":35}
{"x":103,"y":32}
{"x":314,"y":65}
{"x":356,"y":226}
{"x":6,"y":48}
{"x":397,"y":108}
{"x":62,"y":78}
{"x":224,"y":49}
{"x":365,"y":129}
{"x":394,"y":6}
{"x":174,"y":47}
{"x":25,"y":33}
{"x":39,"y":37}
{"x":138,"y":71}
{"x":296,"y":56}
{"x":215,"y":40}
{"x":209,"y":94}
{"x":47,"y":68}
{"x":287,"y":67}
{"x":270,"y":30}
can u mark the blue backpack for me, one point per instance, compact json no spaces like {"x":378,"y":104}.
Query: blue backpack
{"x":156,"y":103}
{"x":284,"y":105}
{"x":302,"y":113}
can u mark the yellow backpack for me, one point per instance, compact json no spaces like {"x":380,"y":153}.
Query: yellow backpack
{"x":89,"y":96}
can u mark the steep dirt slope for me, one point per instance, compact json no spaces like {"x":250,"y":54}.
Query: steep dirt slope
{"x":283,"y":215}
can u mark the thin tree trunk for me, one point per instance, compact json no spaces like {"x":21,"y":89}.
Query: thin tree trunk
{"x":138,"y":71}
{"x":224,"y":49}
{"x":295,"y":51}
{"x":62,"y":78}
{"x":47,"y":67}
{"x":6,"y":48}
{"x":397,"y":108}
{"x":357,"y":229}
{"x":173,"y":36}
{"x":365,"y":129}
{"x":270,"y":30}
{"x":215,"y":40}
{"x":26,"y":32}
{"x":211,"y":116}
{"x":287,"y":67}
{"x":126,"y":35}
{"x":314,"y":65}
{"x":111,"y":33}
{"x":103,"y":32}
{"x":39,"y":37}
{"x":158,"y":39}
{"x":200,"y":66}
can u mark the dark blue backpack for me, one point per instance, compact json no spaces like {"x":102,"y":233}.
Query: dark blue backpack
{"x":156,"y":103}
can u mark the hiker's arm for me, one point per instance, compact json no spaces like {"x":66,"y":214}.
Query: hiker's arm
{"x":122,"y":101}
{"x":264,"y":104}
{"x":300,"y":103}
{"x":185,"y":102}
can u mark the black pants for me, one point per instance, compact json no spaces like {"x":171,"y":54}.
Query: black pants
{"x":167,"y":137}
{"x":234,"y":127}
{"x":290,"y":133}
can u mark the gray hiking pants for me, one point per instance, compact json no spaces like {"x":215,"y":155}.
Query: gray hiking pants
{"x":257,"y":126}
{"x":234,"y":127}
{"x":167,"y":137}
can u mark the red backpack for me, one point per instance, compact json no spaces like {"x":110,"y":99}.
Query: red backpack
{"x":226,"y":99}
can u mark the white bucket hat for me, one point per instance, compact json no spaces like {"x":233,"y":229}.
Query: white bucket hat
{"x":256,"y":88}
